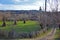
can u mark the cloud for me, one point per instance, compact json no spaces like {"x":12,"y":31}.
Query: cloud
{"x":0,"y":4}
{"x":18,"y":7}
{"x":26,"y":0}
{"x":26,"y":7}
{"x":18,"y":1}
{"x":39,"y":3}
{"x":34,"y":6}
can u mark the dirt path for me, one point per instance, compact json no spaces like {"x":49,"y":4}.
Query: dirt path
{"x":50,"y":36}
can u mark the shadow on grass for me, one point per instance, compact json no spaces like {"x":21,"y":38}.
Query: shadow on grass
{"x":57,"y":38}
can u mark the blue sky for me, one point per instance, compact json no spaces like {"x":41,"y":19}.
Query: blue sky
{"x":18,"y":2}
{"x":22,"y":4}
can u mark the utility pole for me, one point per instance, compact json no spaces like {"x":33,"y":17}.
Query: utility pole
{"x":45,"y":5}
{"x":45,"y":14}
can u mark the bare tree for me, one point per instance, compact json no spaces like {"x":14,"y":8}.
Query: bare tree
{"x":3,"y":19}
{"x":24,"y":18}
{"x":15,"y":19}
{"x":54,"y":8}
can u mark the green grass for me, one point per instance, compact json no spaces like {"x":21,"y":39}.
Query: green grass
{"x":21,"y":27}
{"x":57,"y":35}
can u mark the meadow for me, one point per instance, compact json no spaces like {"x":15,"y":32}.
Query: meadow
{"x":29,"y":26}
{"x":31,"y":29}
{"x":57,"y":35}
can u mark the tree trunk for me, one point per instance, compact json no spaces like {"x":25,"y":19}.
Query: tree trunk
{"x":59,"y":26}
{"x":47,"y":26}
{"x":15,"y":22}
{"x":24,"y":21}
{"x":4,"y":24}
{"x":41,"y":26}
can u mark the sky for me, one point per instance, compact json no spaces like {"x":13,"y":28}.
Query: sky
{"x":22,"y":5}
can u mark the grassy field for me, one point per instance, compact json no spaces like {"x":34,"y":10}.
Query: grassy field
{"x":57,"y":35}
{"x":21,"y":27}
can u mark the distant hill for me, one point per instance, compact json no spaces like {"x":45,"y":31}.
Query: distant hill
{"x":20,"y":11}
